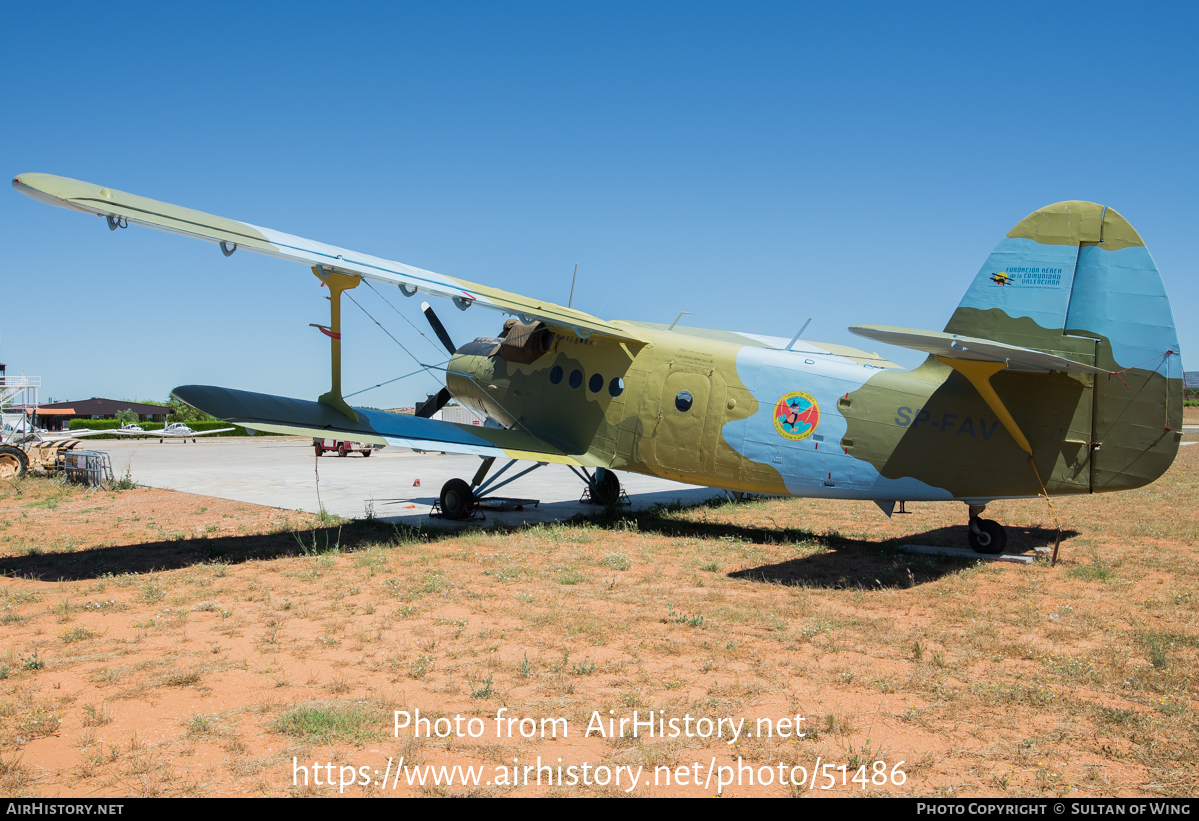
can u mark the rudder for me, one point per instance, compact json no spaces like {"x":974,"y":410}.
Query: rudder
{"x":1075,"y":279}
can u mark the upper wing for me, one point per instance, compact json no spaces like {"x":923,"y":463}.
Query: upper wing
{"x":123,"y":208}
{"x":971,"y":348}
{"x":278,"y":414}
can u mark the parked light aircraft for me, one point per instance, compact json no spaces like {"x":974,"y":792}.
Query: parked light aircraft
{"x":130,"y":429}
{"x":178,"y":430}
{"x":1059,"y":373}
{"x":27,"y":433}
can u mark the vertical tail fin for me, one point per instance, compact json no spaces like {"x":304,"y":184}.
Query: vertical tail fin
{"x":1076,"y":279}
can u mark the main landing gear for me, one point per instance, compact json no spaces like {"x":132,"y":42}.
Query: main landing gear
{"x":602,"y":487}
{"x":460,"y":501}
{"x":457,"y":500}
{"x":985,"y":536}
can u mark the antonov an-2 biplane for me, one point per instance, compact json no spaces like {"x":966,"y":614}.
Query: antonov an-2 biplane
{"x":1059,"y":373}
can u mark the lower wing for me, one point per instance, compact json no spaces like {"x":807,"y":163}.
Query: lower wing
{"x":278,"y":414}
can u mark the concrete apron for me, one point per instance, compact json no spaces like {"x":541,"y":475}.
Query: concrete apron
{"x":281,"y":472}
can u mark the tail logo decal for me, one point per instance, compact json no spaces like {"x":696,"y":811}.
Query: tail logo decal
{"x":796,"y":416}
{"x":1039,"y":277}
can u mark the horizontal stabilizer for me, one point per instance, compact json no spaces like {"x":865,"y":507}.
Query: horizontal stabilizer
{"x":122,"y":208}
{"x":971,"y":348}
{"x":279,"y":414}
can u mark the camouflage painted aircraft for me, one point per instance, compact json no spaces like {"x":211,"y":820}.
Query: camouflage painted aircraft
{"x":1059,"y":372}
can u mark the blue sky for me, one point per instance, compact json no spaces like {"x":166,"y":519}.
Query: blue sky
{"x":755,"y":165}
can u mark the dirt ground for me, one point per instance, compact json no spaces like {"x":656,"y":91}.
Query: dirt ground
{"x":164,"y":644}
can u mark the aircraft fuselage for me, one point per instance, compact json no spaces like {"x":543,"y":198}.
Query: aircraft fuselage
{"x":816,"y":421}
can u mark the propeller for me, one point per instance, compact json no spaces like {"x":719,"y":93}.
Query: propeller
{"x":436,"y":402}
{"x":433,"y":404}
{"x":438,"y":328}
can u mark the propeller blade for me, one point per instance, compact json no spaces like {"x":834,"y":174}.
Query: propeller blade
{"x":433,"y":404}
{"x":438,"y":328}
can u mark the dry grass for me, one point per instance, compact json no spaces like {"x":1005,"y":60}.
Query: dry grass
{"x":202,"y":665}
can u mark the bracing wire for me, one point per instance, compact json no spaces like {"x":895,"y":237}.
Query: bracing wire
{"x":397,"y":379}
{"x":401,"y":315}
{"x":423,"y":367}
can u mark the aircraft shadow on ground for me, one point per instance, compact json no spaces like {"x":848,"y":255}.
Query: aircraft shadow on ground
{"x":856,"y":563}
{"x":846,"y":562}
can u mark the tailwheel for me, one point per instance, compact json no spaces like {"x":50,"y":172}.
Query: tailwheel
{"x":987,"y":536}
{"x":457,"y":500}
{"x":13,"y":462}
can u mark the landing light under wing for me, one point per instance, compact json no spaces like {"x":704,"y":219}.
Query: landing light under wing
{"x":122,"y":208}
{"x":953,"y":346}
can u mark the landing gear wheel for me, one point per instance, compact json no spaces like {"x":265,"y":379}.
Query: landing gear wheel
{"x":991,"y":541}
{"x":457,"y":500}
{"x":13,"y":462}
{"x":607,"y":488}
{"x":366,"y":453}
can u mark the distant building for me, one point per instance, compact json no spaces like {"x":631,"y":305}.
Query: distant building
{"x":58,"y":415}
{"x":460,"y":414}
{"x":1190,"y":379}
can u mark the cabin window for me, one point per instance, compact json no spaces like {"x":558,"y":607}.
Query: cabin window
{"x":683,"y":401}
{"x":616,"y":386}
{"x":596,"y":383}
{"x":555,"y":374}
{"x":576,"y":378}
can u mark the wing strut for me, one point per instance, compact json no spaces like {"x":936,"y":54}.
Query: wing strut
{"x":337,"y":283}
{"x":979,"y":373}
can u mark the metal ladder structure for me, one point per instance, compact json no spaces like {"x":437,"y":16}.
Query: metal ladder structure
{"x":18,"y":391}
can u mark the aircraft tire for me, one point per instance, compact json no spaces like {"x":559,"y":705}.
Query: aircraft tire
{"x":993,"y":539}
{"x":13,"y":462}
{"x":366,"y":453}
{"x":607,"y":488}
{"x":457,"y":500}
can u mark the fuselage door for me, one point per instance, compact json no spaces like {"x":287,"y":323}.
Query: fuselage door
{"x":679,"y":441}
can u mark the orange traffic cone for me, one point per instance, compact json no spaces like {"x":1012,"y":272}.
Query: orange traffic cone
{"x":416,"y":483}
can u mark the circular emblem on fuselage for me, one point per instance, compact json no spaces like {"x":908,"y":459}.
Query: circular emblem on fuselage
{"x":796,"y":415}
